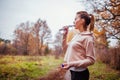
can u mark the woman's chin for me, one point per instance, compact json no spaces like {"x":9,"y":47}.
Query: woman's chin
{"x":76,"y":28}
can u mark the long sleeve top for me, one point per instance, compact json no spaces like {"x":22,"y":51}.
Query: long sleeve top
{"x":80,"y":51}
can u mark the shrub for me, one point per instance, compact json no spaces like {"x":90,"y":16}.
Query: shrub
{"x":115,"y":57}
{"x":110,"y":57}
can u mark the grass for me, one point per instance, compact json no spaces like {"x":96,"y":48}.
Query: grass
{"x":35,"y":67}
{"x":100,"y":71}
{"x":26,"y":67}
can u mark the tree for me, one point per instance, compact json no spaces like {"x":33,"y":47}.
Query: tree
{"x":36,"y":31}
{"x":5,"y":46}
{"x":1,"y":40}
{"x":107,"y":15}
{"x":46,"y":49}
{"x":22,"y":37}
{"x":45,"y":33}
{"x":58,"y":44}
{"x":30,"y":37}
{"x":42,"y":32}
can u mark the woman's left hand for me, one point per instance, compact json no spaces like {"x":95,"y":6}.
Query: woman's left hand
{"x":66,"y":66}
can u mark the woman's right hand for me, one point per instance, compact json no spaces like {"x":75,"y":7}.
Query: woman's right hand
{"x":64,"y":40}
{"x":65,"y":31}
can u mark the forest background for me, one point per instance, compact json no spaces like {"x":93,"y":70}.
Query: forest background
{"x":35,"y":38}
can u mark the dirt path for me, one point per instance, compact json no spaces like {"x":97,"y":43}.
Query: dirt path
{"x":57,"y":74}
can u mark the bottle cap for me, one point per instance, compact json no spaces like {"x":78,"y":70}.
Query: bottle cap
{"x":62,"y":65}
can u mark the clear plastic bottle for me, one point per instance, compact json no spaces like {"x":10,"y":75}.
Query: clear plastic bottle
{"x":64,"y":28}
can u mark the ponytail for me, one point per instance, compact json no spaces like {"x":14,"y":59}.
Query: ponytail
{"x":89,"y":20}
{"x":92,"y":21}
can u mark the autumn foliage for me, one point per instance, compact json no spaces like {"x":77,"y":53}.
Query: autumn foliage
{"x":29,"y":39}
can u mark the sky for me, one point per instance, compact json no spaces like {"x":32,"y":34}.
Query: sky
{"x":57,"y":13}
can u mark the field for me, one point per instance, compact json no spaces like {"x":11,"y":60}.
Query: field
{"x":46,"y":68}
{"x":26,"y":67}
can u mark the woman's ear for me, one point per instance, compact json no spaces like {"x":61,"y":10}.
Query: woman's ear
{"x":82,"y":21}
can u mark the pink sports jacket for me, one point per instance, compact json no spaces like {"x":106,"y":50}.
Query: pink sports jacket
{"x":80,"y":51}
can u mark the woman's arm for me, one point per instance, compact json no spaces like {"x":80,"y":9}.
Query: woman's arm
{"x":64,"y":41}
{"x":64,"y":44}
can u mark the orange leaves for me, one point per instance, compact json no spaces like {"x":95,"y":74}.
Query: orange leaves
{"x":105,"y":15}
{"x":99,"y":33}
{"x":71,"y":33}
{"x":100,"y":36}
{"x":115,"y":24}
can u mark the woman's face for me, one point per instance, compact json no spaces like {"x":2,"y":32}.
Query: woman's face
{"x":78,"y":21}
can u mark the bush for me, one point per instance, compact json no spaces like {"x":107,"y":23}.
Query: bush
{"x":115,"y":57}
{"x":110,"y":57}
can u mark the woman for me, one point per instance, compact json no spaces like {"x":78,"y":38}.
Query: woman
{"x":80,"y":50}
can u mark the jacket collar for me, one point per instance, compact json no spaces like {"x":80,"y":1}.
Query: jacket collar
{"x":85,"y":33}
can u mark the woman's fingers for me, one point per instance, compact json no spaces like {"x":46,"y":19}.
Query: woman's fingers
{"x":65,"y":66}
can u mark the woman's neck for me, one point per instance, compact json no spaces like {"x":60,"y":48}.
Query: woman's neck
{"x":81,"y":29}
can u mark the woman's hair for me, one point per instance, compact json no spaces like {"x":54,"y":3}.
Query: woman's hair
{"x":89,"y":20}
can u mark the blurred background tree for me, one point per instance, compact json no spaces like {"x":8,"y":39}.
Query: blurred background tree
{"x":30,"y":37}
{"x":58,"y":44}
{"x":107,"y":14}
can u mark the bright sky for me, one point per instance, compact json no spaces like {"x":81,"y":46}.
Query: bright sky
{"x":57,"y":13}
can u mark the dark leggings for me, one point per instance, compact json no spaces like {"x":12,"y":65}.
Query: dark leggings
{"x":83,"y":75}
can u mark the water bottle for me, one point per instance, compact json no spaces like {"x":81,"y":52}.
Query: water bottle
{"x":66,"y":26}
{"x":64,"y":29}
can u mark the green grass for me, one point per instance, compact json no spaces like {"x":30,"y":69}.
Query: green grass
{"x":100,"y":71}
{"x":26,"y":67}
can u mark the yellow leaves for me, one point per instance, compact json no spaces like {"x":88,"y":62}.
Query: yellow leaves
{"x":71,"y":34}
{"x":100,"y":36}
{"x":99,"y":33}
